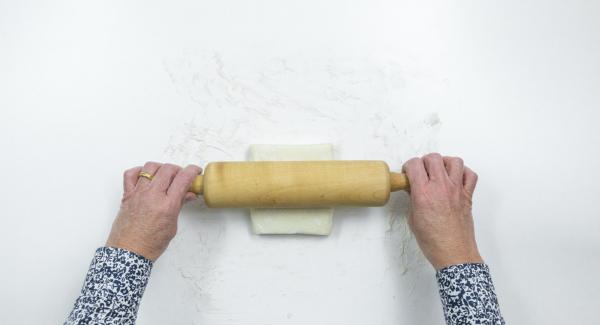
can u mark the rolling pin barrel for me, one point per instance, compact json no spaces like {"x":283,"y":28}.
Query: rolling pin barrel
{"x":297,"y":184}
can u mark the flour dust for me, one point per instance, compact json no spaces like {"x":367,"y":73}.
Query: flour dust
{"x":369,"y":109}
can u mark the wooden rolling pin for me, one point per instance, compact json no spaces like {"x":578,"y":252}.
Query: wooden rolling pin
{"x":298,"y":184}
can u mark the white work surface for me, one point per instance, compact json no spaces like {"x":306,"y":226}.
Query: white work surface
{"x":88,"y":89}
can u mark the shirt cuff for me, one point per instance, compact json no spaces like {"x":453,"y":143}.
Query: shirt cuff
{"x":468,"y":294}
{"x":113,"y":287}
{"x":118,"y":273}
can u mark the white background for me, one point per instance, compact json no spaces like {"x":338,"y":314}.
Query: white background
{"x":88,"y":89}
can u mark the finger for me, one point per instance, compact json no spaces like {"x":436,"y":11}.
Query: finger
{"x":164,"y":176}
{"x":130,"y":178}
{"x":469,"y":180}
{"x":434,"y":165}
{"x":455,"y":169}
{"x":189,"y":197}
{"x":150,"y":168}
{"x":415,"y":171}
{"x":182,"y":182}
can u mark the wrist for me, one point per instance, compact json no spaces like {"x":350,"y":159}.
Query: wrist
{"x":449,"y":260}
{"x":134,"y":247}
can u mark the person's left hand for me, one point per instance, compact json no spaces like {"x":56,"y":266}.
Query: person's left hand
{"x":147,"y":220}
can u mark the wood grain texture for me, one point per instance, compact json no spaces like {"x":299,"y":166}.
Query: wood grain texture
{"x":297,"y":184}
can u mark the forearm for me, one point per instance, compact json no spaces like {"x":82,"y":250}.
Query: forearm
{"x":113,"y":288}
{"x":468,"y":295}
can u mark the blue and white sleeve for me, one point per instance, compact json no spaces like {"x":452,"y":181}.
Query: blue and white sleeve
{"x":113,"y":288}
{"x":468,"y":295}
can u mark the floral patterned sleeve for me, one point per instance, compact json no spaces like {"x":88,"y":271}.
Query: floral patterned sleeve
{"x":468,"y":295}
{"x":113,"y":288}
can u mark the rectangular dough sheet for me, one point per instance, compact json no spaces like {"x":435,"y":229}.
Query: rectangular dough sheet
{"x":291,"y":221}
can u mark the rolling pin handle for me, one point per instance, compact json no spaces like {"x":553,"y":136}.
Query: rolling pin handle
{"x":197,"y":185}
{"x":398,"y":181}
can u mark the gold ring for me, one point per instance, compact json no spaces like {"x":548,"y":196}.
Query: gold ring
{"x":145,"y":175}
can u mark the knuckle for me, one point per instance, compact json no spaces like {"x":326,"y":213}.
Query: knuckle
{"x":131,"y":171}
{"x":416,"y":160}
{"x":127,"y":173}
{"x":151,"y":164}
{"x":410,"y":164}
{"x":471,"y":173}
{"x":413,"y":161}
{"x":432,"y":156}
{"x":170,"y":166}
{"x":195,"y":169}
{"x":188,"y":177}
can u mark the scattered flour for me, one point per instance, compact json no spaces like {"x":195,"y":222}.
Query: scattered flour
{"x":368,"y":109}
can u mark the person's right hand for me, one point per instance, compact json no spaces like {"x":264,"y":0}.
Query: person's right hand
{"x":147,"y":220}
{"x":441,"y":189}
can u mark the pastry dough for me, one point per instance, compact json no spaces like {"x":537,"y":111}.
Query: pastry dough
{"x":291,"y":221}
